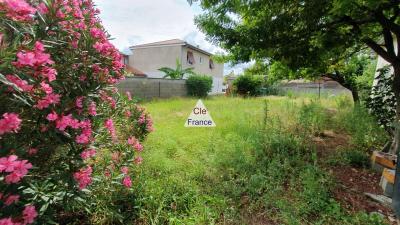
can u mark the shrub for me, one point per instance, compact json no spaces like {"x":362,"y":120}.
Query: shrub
{"x":59,"y":117}
{"x":199,"y":85}
{"x":247,"y":85}
{"x":381,"y":102}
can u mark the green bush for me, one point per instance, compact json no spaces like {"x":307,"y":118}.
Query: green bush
{"x":247,"y":85}
{"x":199,"y":85}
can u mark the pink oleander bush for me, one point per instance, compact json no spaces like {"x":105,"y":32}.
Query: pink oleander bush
{"x":66,"y":135}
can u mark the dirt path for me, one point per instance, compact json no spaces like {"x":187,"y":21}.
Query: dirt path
{"x":352,"y":183}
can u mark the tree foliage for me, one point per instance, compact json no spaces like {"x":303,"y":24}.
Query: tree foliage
{"x":199,"y":85}
{"x":309,"y":34}
{"x":247,"y":85}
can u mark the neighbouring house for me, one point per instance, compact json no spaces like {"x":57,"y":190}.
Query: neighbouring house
{"x":382,"y":62}
{"x":130,"y":69}
{"x":152,"y":56}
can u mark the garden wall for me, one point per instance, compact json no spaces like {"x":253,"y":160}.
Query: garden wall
{"x":324,"y":87}
{"x":149,"y":88}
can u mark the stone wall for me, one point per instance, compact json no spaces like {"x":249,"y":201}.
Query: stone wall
{"x":148,"y":88}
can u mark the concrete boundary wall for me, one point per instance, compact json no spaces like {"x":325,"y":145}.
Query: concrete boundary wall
{"x":148,"y":88}
{"x":329,"y":87}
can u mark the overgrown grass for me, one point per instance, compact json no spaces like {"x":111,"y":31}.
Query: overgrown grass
{"x":258,"y":162}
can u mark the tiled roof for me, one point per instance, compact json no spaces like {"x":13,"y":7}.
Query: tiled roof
{"x":134,"y":71}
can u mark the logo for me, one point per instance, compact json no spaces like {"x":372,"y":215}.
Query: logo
{"x":199,"y":117}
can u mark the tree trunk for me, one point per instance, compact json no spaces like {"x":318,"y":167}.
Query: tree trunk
{"x":356,"y":97}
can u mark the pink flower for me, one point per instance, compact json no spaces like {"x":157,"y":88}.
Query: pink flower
{"x":10,"y":123}
{"x":138,"y":160}
{"x":124,"y":170}
{"x":107,"y":173}
{"x":18,"y":168}
{"x":39,"y":47}
{"x":22,"y":84}
{"x":18,"y":10}
{"x":115,"y":156}
{"x":32,"y":151}
{"x":52,"y":116}
{"x":92,"y":109}
{"x":128,"y":113}
{"x":7,"y":221}
{"x":49,"y":73}
{"x":97,"y":33}
{"x":13,"y":178}
{"x":83,"y":177}
{"x":74,"y":43}
{"x":128,"y":94}
{"x":127,"y":182}
{"x":88,"y":153}
{"x":26,"y":59}
{"x":142,"y":119}
{"x":21,"y":167}
{"x":109,"y":124}
{"x":138,"y":147}
{"x":7,"y":163}
{"x":67,"y":121}
{"x":11,"y":199}
{"x":79,"y":102}
{"x":149,"y":125}
{"x":29,"y":214}
{"x":42,"y":8}
{"x":82,"y":139}
{"x":42,"y":59}
{"x":60,"y":14}
{"x":46,"y":88}
{"x":82,"y":78}
{"x":135,"y":144}
{"x":48,"y":100}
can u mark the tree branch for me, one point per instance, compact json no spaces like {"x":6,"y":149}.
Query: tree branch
{"x":379,"y":50}
{"x":388,"y":27}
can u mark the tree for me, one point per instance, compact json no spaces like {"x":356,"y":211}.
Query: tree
{"x":176,"y":73}
{"x":279,"y":71}
{"x":258,"y":68}
{"x":303,"y":34}
{"x":347,"y":71}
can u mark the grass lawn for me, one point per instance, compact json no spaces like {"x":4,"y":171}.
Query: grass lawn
{"x":259,"y":165}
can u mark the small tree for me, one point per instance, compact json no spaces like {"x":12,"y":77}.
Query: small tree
{"x":176,"y":73}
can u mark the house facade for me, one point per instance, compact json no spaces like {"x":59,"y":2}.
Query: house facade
{"x":151,"y":57}
{"x":382,"y":63}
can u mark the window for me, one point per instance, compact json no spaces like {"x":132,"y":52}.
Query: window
{"x":211,"y":64}
{"x":190,"y":58}
{"x":126,"y":60}
{"x":201,"y":60}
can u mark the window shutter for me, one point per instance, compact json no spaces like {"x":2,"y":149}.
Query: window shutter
{"x":190,"y":58}
{"x":211,"y":64}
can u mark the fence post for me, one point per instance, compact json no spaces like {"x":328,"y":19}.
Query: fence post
{"x":159,"y":89}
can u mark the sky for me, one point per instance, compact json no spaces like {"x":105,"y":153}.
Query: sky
{"x":132,"y":22}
